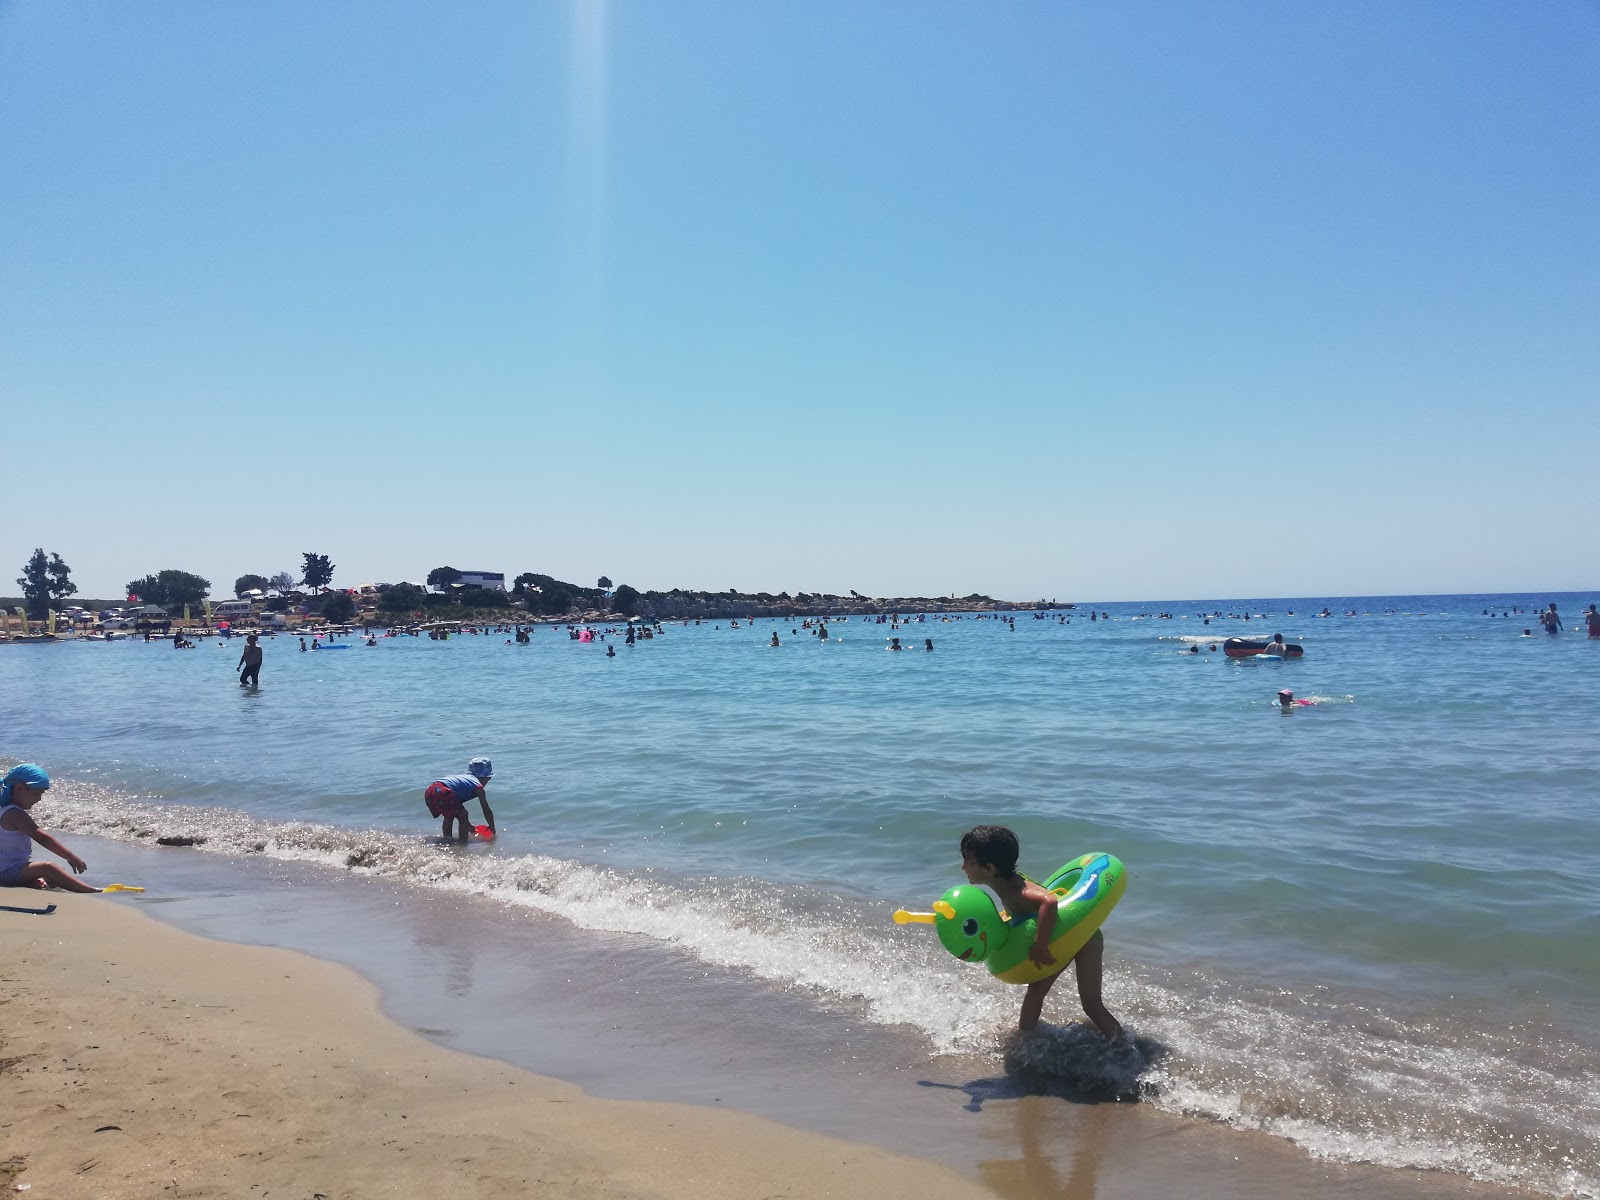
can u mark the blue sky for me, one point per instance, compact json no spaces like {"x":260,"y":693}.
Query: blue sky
{"x":1063,"y":300}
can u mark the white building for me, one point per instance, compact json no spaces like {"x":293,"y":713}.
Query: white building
{"x":494,"y":580}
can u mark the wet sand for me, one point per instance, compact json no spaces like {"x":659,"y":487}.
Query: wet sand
{"x":140,"y":1060}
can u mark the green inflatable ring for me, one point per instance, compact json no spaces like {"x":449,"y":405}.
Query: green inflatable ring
{"x":975,"y":931}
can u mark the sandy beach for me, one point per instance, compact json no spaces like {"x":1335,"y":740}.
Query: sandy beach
{"x":139,"y":1060}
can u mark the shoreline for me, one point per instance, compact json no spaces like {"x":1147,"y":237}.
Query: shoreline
{"x":140,"y":1059}
{"x":173,"y":1019}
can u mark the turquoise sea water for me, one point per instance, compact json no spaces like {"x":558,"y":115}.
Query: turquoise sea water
{"x":1367,"y":926}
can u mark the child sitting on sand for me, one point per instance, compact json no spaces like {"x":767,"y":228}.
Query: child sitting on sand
{"x":448,"y":797}
{"x":989,"y":857}
{"x":20,"y":790}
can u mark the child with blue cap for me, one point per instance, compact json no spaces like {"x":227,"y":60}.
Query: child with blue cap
{"x":20,"y":790}
{"x":448,"y":797}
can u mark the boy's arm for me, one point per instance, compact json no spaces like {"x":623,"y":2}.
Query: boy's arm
{"x":488,"y":816}
{"x":1039,"y":952}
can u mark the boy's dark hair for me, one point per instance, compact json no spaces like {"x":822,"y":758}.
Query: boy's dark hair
{"x":994,"y":845}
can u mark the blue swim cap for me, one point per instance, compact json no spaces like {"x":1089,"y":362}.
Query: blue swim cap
{"x":31,"y":774}
{"x":481,"y":768}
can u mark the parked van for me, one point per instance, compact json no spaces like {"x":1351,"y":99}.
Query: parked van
{"x":231,"y":609}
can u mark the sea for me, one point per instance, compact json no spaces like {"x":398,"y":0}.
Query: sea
{"x":1367,"y":927}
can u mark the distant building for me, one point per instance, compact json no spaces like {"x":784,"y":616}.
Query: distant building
{"x":492,"y":580}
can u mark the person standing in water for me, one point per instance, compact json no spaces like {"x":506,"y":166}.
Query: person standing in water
{"x":447,"y":797}
{"x":249,"y":666}
{"x":989,"y":858}
{"x":1592,"y":619}
{"x":1550,"y":619}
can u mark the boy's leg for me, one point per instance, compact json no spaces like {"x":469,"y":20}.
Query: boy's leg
{"x":51,"y":875}
{"x":1090,"y":967}
{"x":1033,"y":1002}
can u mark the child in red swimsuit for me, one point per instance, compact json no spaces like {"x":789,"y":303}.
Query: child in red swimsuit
{"x":447,"y":797}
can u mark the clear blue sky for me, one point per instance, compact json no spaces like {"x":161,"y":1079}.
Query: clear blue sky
{"x":1086,"y":301}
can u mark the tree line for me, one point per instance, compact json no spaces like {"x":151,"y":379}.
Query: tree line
{"x":46,"y":582}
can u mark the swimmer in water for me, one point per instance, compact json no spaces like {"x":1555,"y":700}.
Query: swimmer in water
{"x":774,"y":640}
{"x":894,"y":644}
{"x":927,"y":644}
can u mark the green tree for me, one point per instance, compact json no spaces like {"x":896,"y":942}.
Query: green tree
{"x":443,"y":577}
{"x":546,"y":595}
{"x":605,"y":584}
{"x":170,"y":588}
{"x":147,"y":590}
{"x":45,"y":582}
{"x":624,"y":599}
{"x":184,"y":588}
{"x":338,"y":607}
{"x":554,"y":597}
{"x":283,"y":583}
{"x":250,"y":583}
{"x":402,"y":597}
{"x":317,"y":572}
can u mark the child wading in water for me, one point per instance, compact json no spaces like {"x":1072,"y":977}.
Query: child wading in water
{"x":20,"y":790}
{"x":989,"y":857}
{"x":448,"y":797}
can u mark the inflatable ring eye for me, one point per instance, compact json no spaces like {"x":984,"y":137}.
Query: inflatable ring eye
{"x":970,"y":927}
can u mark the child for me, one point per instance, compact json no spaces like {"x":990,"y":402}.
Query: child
{"x":448,"y":797}
{"x":989,"y":856}
{"x":20,"y":790}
